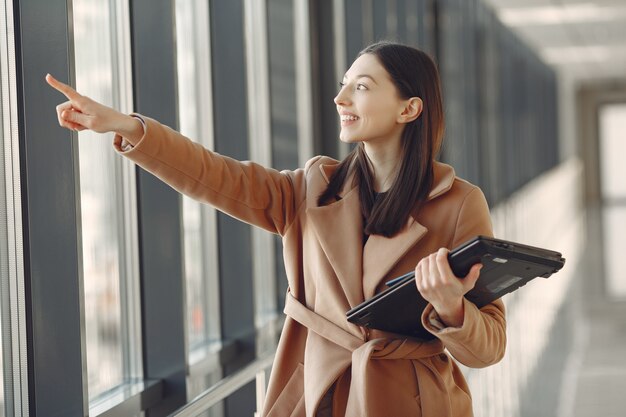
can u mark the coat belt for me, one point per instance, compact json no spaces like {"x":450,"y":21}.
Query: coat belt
{"x":435,"y":395}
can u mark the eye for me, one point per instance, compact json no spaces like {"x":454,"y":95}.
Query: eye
{"x":341,"y":84}
{"x":361,"y":86}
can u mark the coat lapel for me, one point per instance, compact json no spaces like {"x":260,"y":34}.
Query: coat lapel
{"x":339,"y":229}
{"x":381,"y":253}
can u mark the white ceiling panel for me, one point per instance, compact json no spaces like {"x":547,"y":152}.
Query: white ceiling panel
{"x":585,"y":39}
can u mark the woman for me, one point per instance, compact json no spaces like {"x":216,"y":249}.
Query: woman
{"x":348,"y":227}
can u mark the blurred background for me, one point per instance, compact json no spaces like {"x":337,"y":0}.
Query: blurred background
{"x":119,"y":297}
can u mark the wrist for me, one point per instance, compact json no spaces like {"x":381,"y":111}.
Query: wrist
{"x":452,"y":314}
{"x":131,"y":129}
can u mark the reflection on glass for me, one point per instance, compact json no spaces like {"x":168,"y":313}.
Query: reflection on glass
{"x":202,"y":315}
{"x":614,"y":220}
{"x":612,"y":151}
{"x":192,"y":218}
{"x":4,"y":253}
{"x":197,"y":385}
{"x":612,"y":120}
{"x":193,"y":272}
{"x":100,"y":196}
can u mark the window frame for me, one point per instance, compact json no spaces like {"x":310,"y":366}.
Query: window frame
{"x":13,"y":312}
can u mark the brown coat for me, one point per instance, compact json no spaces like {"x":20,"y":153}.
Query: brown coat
{"x":330,"y":271}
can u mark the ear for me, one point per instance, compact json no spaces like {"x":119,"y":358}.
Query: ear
{"x":412,"y":110}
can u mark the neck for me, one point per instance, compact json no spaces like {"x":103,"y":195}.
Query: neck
{"x":385,"y":159}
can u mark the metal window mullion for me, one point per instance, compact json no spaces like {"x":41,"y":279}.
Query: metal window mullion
{"x":391,"y":21}
{"x":367,"y":15}
{"x":15,"y":370}
{"x":304,"y":83}
{"x":259,"y":143}
{"x":230,"y":95}
{"x":129,"y":249}
{"x":340,"y":56}
{"x":204,"y":100}
{"x":159,"y":208}
{"x":79,"y":234}
{"x":412,"y":20}
{"x":51,"y":213}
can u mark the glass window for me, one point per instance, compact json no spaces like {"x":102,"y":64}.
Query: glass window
{"x":4,"y":243}
{"x":199,"y":220}
{"x":354,"y":27}
{"x":256,"y":21}
{"x":13,"y":367}
{"x":281,"y":34}
{"x":108,"y":240}
{"x":612,"y":122}
{"x":612,"y":150}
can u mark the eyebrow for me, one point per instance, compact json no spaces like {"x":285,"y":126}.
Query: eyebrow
{"x":364,"y":75}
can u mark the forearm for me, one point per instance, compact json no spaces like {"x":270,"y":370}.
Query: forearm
{"x":481,"y":339}
{"x":247,"y":191}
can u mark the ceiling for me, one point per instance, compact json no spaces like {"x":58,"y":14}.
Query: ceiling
{"x":584,"y":40}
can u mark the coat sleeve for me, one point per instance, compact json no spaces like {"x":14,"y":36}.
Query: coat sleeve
{"x":245,"y":190}
{"x":481,"y":340}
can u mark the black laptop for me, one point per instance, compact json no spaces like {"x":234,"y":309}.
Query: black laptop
{"x":507,"y":266}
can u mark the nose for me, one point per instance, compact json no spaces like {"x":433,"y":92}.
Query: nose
{"x":342,"y":97}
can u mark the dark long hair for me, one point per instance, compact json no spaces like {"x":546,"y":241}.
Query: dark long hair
{"x":414,"y":74}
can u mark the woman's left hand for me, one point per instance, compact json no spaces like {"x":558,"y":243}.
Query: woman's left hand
{"x":439,"y":286}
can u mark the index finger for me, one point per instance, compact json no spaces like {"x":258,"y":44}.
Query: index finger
{"x":65,"y":89}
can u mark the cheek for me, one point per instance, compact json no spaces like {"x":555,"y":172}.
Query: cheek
{"x":380,"y":109}
{"x":379,"y":118}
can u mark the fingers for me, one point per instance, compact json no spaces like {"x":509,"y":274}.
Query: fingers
{"x":65,"y":89}
{"x":433,"y":273}
{"x":67,"y":116}
{"x":76,"y":127}
{"x":60,"y":109}
{"x":438,"y":269}
{"x":427,"y":276}
{"x":75,"y":117}
{"x":441,"y":259}
{"x":470,"y":279}
{"x":68,"y":113}
{"x":421,"y":271}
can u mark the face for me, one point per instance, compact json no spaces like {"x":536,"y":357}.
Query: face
{"x":368,"y":103}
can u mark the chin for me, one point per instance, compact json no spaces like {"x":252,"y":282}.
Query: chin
{"x":349,"y":139}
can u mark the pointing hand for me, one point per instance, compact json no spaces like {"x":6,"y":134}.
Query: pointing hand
{"x":81,"y":112}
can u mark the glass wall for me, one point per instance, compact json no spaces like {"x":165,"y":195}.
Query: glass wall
{"x":253,"y":80}
{"x":195,"y":118}
{"x":499,"y":101}
{"x":13,"y":363}
{"x":108,"y":248}
{"x":4,"y":235}
{"x":195,"y":115}
{"x":612,"y":125}
{"x":282,"y":70}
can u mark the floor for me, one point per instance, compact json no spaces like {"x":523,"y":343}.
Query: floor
{"x":583,"y":371}
{"x":598,"y":361}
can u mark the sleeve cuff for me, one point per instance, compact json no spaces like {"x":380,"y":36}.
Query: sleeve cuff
{"x":433,"y":323}
{"x":121,"y":143}
{"x":125,"y":146}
